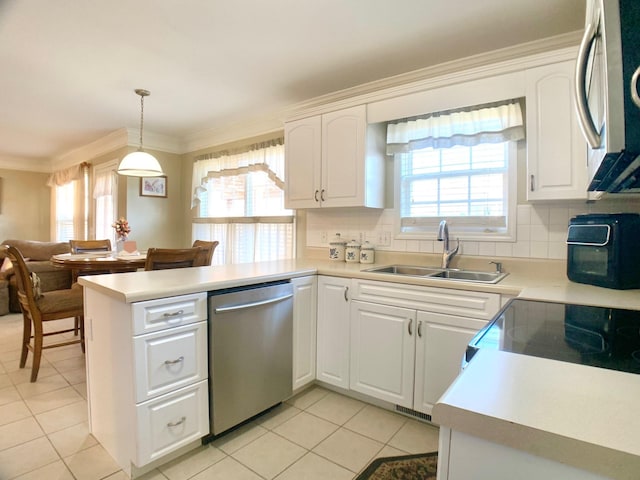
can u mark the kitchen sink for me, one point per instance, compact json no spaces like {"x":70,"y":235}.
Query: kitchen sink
{"x":405,"y":270}
{"x":441,"y":273}
{"x":470,"y":276}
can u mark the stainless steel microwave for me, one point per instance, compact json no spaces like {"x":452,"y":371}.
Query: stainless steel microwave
{"x":603,"y":250}
{"x":607,"y":97}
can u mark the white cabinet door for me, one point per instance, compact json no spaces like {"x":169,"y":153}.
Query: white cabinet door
{"x":303,"y":159}
{"x":343,"y":144}
{"x":382,"y":351}
{"x":556,"y":150}
{"x":334,"y":160}
{"x":305,"y":293}
{"x":441,"y":343}
{"x":333,"y":330}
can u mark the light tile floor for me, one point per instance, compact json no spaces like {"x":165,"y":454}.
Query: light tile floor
{"x":318,"y":434}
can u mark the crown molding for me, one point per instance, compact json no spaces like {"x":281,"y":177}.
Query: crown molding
{"x":230,"y":133}
{"x":154,"y":141}
{"x":108,"y":143}
{"x":505,"y":60}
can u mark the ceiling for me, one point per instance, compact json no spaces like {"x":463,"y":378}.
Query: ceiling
{"x":69,"y":67}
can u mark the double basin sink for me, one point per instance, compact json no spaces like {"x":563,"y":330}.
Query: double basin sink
{"x":443,"y":273}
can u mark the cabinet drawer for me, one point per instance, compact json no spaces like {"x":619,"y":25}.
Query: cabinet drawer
{"x":479,"y":305}
{"x":171,"y":421}
{"x":154,"y":315}
{"x":170,"y":359}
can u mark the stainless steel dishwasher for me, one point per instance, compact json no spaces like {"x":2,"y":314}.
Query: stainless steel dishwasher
{"x":250,"y":351}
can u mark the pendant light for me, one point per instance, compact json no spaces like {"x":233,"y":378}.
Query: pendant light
{"x":140,"y":163}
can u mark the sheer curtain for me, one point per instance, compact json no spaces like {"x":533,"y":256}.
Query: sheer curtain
{"x":105,"y":197}
{"x":467,"y":127}
{"x":238,"y":199}
{"x":70,"y":188}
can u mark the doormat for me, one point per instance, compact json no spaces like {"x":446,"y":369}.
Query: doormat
{"x":407,"y":467}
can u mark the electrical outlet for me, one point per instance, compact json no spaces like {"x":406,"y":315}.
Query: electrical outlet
{"x":383,"y":239}
{"x":323,"y":237}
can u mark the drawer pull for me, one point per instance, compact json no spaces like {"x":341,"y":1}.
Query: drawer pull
{"x":175,"y":424}
{"x":173,"y":362}
{"x":173,"y":314}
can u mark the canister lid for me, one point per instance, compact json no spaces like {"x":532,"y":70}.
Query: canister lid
{"x":337,"y":240}
{"x":353,"y":244}
{"x":367,"y":246}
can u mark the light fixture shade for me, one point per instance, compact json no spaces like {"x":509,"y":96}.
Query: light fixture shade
{"x":140,"y":164}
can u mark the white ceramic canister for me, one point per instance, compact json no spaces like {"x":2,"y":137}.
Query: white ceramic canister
{"x":352,"y":254}
{"x":367,"y":253}
{"x":336,"y":248}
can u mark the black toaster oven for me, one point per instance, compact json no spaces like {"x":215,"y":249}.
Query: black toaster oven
{"x":604,"y":250}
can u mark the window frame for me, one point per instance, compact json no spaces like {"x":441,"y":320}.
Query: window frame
{"x":457,"y":226}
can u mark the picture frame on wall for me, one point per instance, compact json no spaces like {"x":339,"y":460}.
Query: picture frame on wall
{"x":153,"y":186}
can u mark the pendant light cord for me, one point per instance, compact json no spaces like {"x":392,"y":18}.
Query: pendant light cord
{"x":141,"y":119}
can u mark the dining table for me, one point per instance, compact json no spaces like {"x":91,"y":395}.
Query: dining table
{"x":99,"y":262}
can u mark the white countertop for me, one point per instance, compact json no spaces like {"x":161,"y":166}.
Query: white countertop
{"x":583,"y":416}
{"x":536,"y":282}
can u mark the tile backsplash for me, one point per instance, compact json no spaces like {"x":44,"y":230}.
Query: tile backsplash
{"x":541,"y":229}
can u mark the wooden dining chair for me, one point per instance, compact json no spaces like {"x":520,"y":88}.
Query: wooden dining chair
{"x":83,"y":246}
{"x":206,"y":252}
{"x":39,"y":309}
{"x":87,"y":246}
{"x":166,"y":258}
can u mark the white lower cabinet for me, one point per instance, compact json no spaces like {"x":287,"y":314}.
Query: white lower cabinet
{"x":403,"y":348}
{"x":176,"y":418}
{"x":147,"y":380}
{"x":333,"y":330}
{"x":305,"y":295}
{"x":382,"y":351}
{"x":441,"y":343}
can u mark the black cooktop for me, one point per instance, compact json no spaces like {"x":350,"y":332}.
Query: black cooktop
{"x":596,"y":336}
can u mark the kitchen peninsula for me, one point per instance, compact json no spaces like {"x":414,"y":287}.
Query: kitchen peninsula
{"x":122,"y":309}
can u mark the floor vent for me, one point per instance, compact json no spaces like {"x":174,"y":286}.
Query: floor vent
{"x":413,"y":413}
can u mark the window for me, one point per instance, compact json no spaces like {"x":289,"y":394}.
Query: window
{"x":65,"y":196}
{"x":460,"y":167}
{"x":70,"y":189}
{"x":239,"y":201}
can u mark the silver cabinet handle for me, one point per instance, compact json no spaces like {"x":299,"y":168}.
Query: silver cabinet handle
{"x":173,"y":362}
{"x":582,"y":103}
{"x":175,"y":424}
{"x":420,"y":329}
{"x":634,"y":87}
{"x":322,"y":195}
{"x":173,"y":314}
{"x":346,"y":291}
{"x":251,"y":305}
{"x":532,"y":182}
{"x":315,"y":195}
{"x":410,"y":324}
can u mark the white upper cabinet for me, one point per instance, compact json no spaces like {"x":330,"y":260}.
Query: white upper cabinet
{"x":556,"y":150}
{"x":334,"y":160}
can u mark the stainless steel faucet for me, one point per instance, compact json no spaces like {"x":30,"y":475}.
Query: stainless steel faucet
{"x":443,"y":236}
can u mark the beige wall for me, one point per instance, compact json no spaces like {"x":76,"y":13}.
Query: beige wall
{"x":156,"y":221}
{"x":25,"y":205}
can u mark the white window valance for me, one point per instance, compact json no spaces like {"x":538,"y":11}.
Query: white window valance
{"x":466,"y":127}
{"x":267,"y":157}
{"x":68,"y":175}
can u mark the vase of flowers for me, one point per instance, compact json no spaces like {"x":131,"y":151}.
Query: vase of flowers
{"x":122,"y":232}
